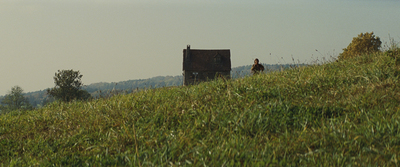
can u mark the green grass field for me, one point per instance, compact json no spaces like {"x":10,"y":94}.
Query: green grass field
{"x":334,"y":114}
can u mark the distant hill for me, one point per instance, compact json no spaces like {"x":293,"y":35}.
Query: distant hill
{"x":105,"y":89}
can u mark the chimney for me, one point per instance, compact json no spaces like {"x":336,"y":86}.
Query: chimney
{"x":188,"y":52}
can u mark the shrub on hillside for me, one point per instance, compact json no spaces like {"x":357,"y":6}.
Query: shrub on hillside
{"x":363,"y":44}
{"x":68,"y":86}
{"x":393,"y":52}
{"x":393,"y":49}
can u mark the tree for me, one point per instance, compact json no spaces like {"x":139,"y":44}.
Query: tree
{"x":15,"y":100}
{"x":363,"y":44}
{"x":68,"y":86}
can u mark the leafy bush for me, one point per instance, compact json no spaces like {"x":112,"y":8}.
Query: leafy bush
{"x":363,"y":44}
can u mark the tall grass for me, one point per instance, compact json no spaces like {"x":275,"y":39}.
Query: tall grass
{"x":336,"y":114}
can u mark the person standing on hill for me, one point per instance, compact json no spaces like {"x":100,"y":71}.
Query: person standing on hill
{"x":257,"y":68}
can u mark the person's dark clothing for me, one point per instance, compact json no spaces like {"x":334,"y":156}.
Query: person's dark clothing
{"x":257,"y":68}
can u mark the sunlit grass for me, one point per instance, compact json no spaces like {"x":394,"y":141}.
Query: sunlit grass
{"x":334,"y":114}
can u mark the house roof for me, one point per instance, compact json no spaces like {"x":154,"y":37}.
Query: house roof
{"x":207,"y":60}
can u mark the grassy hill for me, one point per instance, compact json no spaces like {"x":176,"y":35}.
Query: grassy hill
{"x":106,"y":89}
{"x":336,"y":114}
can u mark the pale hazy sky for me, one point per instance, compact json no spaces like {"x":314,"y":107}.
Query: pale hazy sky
{"x":118,"y":40}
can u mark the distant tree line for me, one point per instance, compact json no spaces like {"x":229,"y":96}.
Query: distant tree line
{"x":15,"y":100}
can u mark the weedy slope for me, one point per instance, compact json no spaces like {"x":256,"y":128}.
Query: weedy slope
{"x":334,"y":114}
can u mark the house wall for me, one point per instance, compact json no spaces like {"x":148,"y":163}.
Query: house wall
{"x":192,"y":77}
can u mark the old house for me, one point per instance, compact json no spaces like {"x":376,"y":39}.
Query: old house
{"x":202,"y":65}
